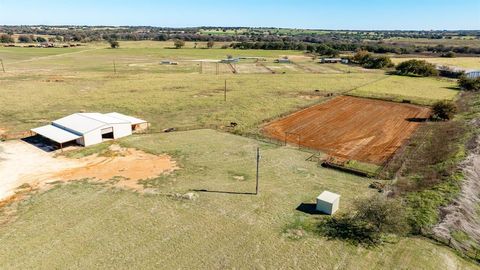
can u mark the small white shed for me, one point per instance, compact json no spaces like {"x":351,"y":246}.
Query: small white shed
{"x":328,"y":202}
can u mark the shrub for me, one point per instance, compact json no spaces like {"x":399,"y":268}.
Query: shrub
{"x":443,"y":110}
{"x":178,"y":43}
{"x":24,"y":39}
{"x":367,"y":60}
{"x":417,"y":67}
{"x":210,"y":44}
{"x":469,"y":84}
{"x":445,"y":71}
{"x":114,"y":44}
{"x":448,"y":55}
{"x":41,"y":39}
{"x":4,"y":38}
{"x":370,"y":220}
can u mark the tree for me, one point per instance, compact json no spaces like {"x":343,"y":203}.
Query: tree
{"x":5,"y":38}
{"x":210,"y":44}
{"x":469,"y":84}
{"x":114,"y":44}
{"x":367,"y":60}
{"x":443,"y":110}
{"x":417,"y":67}
{"x":448,"y":54}
{"x":370,"y":219}
{"x":178,"y":43}
{"x":41,"y":39}
{"x":24,"y":39}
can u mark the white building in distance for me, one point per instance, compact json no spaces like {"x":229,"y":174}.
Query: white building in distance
{"x":90,"y":128}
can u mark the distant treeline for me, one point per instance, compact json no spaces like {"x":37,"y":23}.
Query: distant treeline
{"x":324,"y":42}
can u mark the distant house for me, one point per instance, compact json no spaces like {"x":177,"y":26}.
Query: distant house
{"x":283,"y":61}
{"x":334,"y":60}
{"x":90,"y":128}
{"x":230,"y":60}
{"x":473,"y":74}
{"x":167,"y":62}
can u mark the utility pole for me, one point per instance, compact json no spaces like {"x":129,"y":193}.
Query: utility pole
{"x":114,"y":67}
{"x":3,"y":68}
{"x":258,"y":162}
{"x":201,"y":67}
{"x":225,"y":92}
{"x":216,"y":70}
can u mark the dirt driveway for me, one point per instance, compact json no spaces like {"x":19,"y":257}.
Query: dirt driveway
{"x":23,"y":163}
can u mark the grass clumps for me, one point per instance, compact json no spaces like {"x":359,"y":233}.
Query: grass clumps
{"x":371,"y":221}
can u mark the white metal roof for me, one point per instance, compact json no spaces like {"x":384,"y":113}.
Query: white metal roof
{"x":130,"y":119}
{"x":56,"y":134}
{"x":78,"y":123}
{"x":105,"y":118}
{"x":328,"y":196}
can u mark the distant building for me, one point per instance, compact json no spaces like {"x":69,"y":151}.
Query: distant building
{"x":167,"y":62}
{"x":283,"y":61}
{"x":230,"y":60}
{"x":334,"y":60}
{"x":473,"y":74}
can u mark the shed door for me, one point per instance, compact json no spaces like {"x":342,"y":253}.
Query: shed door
{"x":107,"y":130}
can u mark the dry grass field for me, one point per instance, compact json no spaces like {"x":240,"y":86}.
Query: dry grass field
{"x":81,"y":225}
{"x":92,"y":224}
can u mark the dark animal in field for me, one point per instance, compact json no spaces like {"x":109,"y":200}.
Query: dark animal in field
{"x":169,"y":129}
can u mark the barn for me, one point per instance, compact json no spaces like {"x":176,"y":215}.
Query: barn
{"x":90,"y":128}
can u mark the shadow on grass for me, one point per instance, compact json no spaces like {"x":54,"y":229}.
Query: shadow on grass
{"x":224,"y":192}
{"x":309,"y":208}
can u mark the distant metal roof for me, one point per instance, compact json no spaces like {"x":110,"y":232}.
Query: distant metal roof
{"x":56,"y":134}
{"x":130,"y":119}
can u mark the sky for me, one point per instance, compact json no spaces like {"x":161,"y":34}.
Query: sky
{"x":309,"y":14}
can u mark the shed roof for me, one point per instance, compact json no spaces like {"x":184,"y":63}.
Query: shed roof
{"x":105,"y":118}
{"x":56,"y":134}
{"x":79,"y":123}
{"x":130,"y":119}
{"x":328,"y":196}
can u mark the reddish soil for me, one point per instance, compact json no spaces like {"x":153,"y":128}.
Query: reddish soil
{"x":353,"y":128}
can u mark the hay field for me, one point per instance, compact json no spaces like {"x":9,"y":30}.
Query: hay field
{"x":86,"y":226}
{"x":43,"y":84}
{"x":460,"y":62}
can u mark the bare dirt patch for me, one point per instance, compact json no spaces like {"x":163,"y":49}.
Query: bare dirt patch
{"x":353,"y":128}
{"x":125,"y":167}
{"x":22,"y":163}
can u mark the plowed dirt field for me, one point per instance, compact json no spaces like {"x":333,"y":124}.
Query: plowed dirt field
{"x":352,"y":128}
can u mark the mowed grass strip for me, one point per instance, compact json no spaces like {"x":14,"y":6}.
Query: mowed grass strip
{"x":424,"y":91}
{"x":461,"y":62}
{"x":87,"y":226}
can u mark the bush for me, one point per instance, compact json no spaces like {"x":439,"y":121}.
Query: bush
{"x":367,"y":60}
{"x":41,"y":39}
{"x":445,"y":71}
{"x":370,"y":220}
{"x":179,"y":43}
{"x":448,"y":55}
{"x":4,"y":38}
{"x":210,"y":44}
{"x":24,"y":39}
{"x":114,"y":44}
{"x":443,"y":110}
{"x":417,"y":67}
{"x":469,"y":84}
